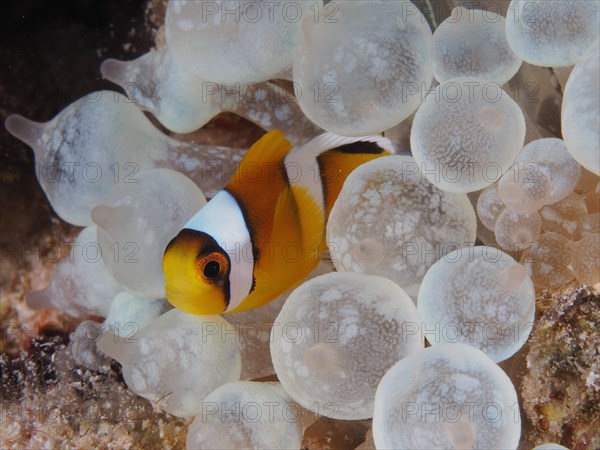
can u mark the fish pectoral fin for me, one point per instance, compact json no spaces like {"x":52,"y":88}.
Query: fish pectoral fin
{"x":298,"y":227}
{"x":312,"y":223}
{"x":287,"y":232}
{"x":295,"y":247}
{"x":297,"y":238}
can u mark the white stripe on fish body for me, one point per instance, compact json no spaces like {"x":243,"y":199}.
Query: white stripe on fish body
{"x":222,"y":218}
{"x":302,"y":167}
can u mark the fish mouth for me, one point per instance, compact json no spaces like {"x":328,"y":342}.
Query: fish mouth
{"x":176,"y":295}
{"x":179,"y":300}
{"x":191,"y":304}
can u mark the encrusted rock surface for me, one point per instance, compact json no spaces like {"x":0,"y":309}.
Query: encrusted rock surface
{"x":47,"y":401}
{"x":50,"y":402}
{"x":561,"y":389}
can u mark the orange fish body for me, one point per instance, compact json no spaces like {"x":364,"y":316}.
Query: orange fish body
{"x":265,"y":231}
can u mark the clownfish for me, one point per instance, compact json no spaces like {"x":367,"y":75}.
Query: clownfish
{"x":265,"y":231}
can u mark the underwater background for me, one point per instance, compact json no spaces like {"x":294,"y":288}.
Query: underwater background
{"x":50,"y":54}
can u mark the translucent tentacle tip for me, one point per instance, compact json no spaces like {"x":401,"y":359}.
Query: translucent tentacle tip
{"x":461,"y":434}
{"x":111,"y":345}
{"x":513,"y":276}
{"x":108,"y":217}
{"x":39,"y":299}
{"x":368,"y":252}
{"x":321,"y":357}
{"x":115,"y":71}
{"x":549,"y":446}
{"x":26,"y":130}
{"x":492,"y":118}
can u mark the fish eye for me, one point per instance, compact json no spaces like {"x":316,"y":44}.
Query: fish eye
{"x":211,"y":269}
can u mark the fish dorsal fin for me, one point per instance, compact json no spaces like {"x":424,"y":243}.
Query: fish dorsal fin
{"x":257,"y":186}
{"x":264,"y":153}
